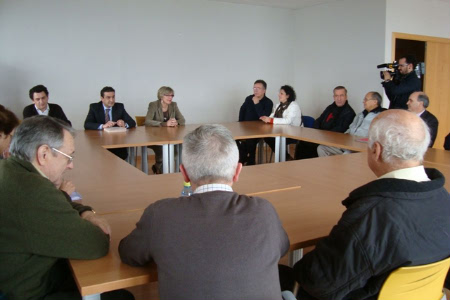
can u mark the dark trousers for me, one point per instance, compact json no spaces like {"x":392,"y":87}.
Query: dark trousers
{"x":120,"y":152}
{"x":247,"y":151}
{"x":306,"y":150}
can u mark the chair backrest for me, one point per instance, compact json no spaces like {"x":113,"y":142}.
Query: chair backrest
{"x":140,"y":120}
{"x":416,"y":283}
{"x":308,"y":121}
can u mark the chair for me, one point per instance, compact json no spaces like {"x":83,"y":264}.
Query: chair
{"x":140,"y":120}
{"x":416,"y":283}
{"x":308,"y":121}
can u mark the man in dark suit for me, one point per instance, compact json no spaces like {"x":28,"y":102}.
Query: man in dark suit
{"x":417,"y":103}
{"x":107,"y":113}
{"x":399,"y":89}
{"x":39,"y":96}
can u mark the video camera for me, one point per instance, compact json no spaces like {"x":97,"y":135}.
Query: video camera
{"x":392,"y":68}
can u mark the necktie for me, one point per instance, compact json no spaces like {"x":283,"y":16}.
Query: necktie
{"x":107,"y":115}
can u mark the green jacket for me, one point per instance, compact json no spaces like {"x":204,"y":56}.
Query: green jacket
{"x":39,"y":229}
{"x":155,"y":115}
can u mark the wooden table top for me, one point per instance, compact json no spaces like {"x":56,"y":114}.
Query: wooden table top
{"x":307,"y":194}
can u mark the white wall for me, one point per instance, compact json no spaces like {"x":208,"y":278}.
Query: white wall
{"x":421,"y":17}
{"x":339,"y":43}
{"x":209,"y":52}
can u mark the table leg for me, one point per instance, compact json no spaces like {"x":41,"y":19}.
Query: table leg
{"x":283,"y":149}
{"x":277,"y":149}
{"x":166,"y":158}
{"x":178,"y":162}
{"x":144,"y":160}
{"x":295,"y":256}
{"x":171,"y":159}
{"x":92,"y":297}
{"x":260,"y":151}
{"x":132,"y":156}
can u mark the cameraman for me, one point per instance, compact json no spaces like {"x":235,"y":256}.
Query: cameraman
{"x":398,"y":90}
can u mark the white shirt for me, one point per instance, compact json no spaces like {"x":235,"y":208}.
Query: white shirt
{"x":414,"y":173}
{"x":213,"y":187}
{"x":42,"y":113}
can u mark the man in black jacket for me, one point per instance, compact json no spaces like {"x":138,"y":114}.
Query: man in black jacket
{"x":107,"y":113}
{"x":400,"y":219}
{"x":39,"y":95}
{"x":418,"y":103}
{"x":398,"y":90}
{"x":336,"y":117}
{"x":254,"y":107}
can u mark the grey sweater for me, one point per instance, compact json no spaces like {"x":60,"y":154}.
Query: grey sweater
{"x":215,"y":245}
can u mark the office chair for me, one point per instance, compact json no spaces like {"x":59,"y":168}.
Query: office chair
{"x":416,"y":283}
{"x":308,"y":121}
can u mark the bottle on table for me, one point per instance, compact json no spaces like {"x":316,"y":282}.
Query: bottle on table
{"x":187,"y":190}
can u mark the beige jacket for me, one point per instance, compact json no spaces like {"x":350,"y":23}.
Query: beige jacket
{"x":155,"y":115}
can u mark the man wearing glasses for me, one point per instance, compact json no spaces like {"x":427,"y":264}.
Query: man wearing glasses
{"x":40,"y":228}
{"x":398,"y":90}
{"x":255,"y":106}
{"x":360,"y":125}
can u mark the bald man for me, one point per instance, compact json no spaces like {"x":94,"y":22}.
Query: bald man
{"x":399,"y":219}
{"x":418,"y":103}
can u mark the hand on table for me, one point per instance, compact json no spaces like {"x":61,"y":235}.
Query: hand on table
{"x":120,"y":123}
{"x":109,"y":124}
{"x":97,"y":221}
{"x":265,"y":119}
{"x":172,"y":122}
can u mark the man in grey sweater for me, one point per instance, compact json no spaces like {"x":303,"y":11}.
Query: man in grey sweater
{"x":215,"y":244}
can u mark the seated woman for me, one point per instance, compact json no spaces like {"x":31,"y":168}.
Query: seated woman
{"x":163,"y":112}
{"x":286,"y":112}
{"x":8,"y":122}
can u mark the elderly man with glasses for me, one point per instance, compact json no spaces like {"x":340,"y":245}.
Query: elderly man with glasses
{"x":40,"y":228}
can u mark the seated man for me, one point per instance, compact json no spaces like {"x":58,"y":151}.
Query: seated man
{"x":254,"y":107}
{"x":336,"y":117}
{"x":400,"y":219}
{"x":39,"y":96}
{"x":40,"y":228}
{"x":215,"y":244}
{"x":418,"y":103}
{"x":360,"y":125}
{"x":107,"y":113}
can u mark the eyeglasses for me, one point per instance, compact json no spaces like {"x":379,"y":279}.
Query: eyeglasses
{"x":66,"y":155}
{"x":403,"y":65}
{"x":169,"y":95}
{"x":365,"y":100}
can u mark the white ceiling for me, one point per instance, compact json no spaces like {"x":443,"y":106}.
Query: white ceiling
{"x":289,"y":4}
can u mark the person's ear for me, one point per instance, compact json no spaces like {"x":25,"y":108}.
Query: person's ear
{"x":237,"y":172}
{"x":42,"y":155}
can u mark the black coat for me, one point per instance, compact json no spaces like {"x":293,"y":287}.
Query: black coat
{"x":388,"y":223}
{"x":398,"y":92}
{"x":55,"y":112}
{"x":96,"y":115}
{"x":432,"y":123}
{"x":252,"y":112}
{"x":339,"y":120}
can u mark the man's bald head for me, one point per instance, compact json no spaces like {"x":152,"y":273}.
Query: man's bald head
{"x":402,"y":138}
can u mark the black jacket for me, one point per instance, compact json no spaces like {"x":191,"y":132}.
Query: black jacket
{"x":432,"y":123}
{"x":252,"y":112}
{"x":398,"y":92}
{"x":96,"y":115}
{"x":55,"y":112}
{"x":447,"y":142}
{"x":388,"y":223}
{"x":335,"y":118}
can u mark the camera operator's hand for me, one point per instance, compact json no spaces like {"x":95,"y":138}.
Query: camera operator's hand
{"x":387,"y":76}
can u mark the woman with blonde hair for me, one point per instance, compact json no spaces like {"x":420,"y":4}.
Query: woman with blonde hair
{"x":163,"y":112}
